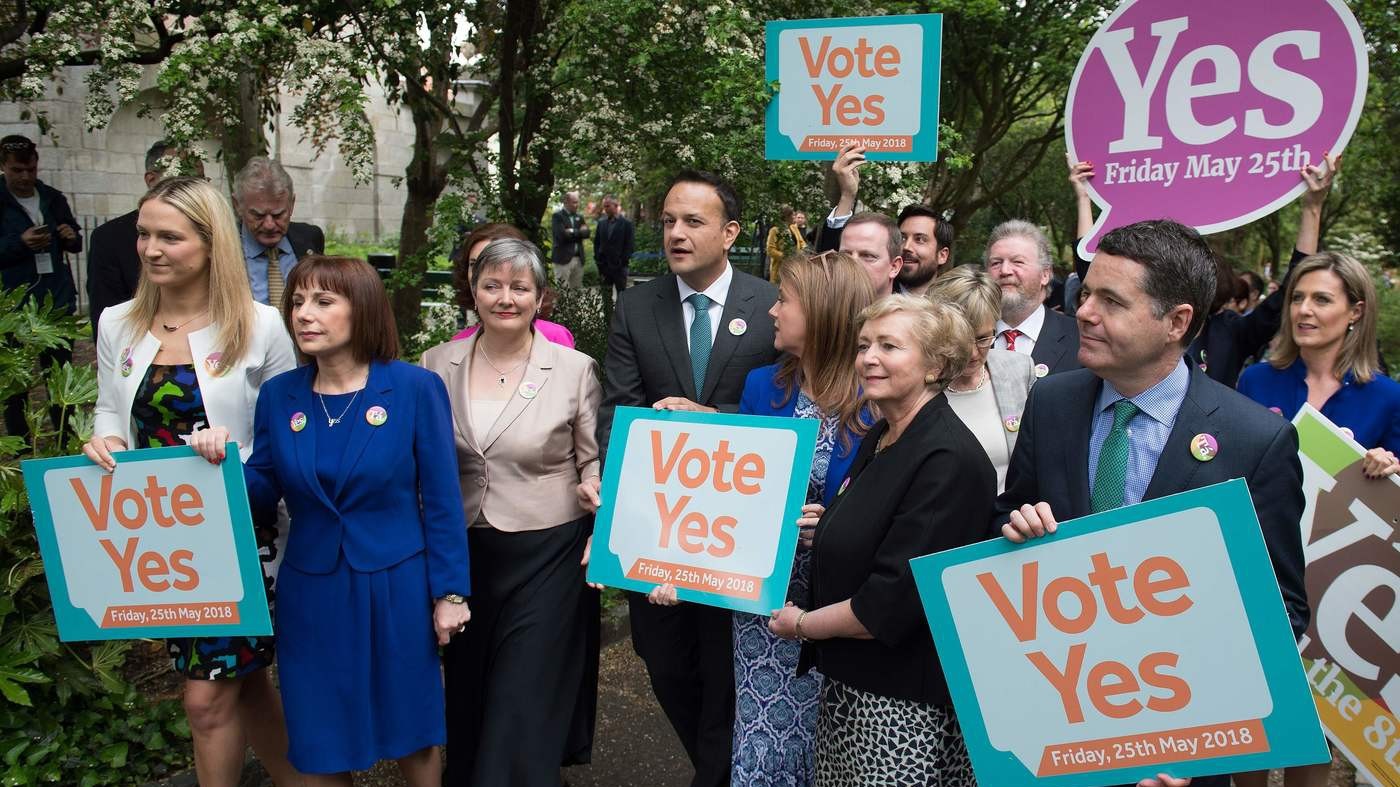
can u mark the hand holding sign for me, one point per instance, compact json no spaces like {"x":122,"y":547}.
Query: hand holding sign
{"x":1199,"y":110}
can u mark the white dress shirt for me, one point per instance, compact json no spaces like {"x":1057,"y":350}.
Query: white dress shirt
{"x":716,"y":292}
{"x":1030,"y":332}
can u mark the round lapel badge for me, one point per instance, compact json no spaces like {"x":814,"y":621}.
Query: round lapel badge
{"x":376,"y":415}
{"x":1203,"y":367}
{"x":529,"y":390}
{"x":1276,"y":410}
{"x":298,"y":421}
{"x":1013,"y":423}
{"x":738,"y":326}
{"x":126,"y":362}
{"x":1204,"y":447}
{"x":1350,"y":434}
{"x":214,"y":364}
{"x":1041,"y":370}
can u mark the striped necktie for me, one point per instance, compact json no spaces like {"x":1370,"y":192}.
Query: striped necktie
{"x":275,"y":282}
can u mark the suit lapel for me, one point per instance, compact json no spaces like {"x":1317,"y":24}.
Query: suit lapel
{"x":458,"y":384}
{"x":670,"y":323}
{"x":300,"y":400}
{"x":534,"y":379}
{"x":1078,"y":422}
{"x":1047,"y":349}
{"x":378,"y":391}
{"x":1176,"y":467}
{"x":737,"y":304}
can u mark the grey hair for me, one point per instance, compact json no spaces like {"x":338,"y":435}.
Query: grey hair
{"x":515,"y":255}
{"x":262,"y":175}
{"x":1019,"y":228}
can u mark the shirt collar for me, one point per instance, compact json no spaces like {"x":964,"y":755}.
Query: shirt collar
{"x":717,"y":291}
{"x":1161,"y":402}
{"x":1029,"y":327}
{"x":253,"y":250}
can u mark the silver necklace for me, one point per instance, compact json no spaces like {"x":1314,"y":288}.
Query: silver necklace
{"x":500,"y":375}
{"x":330,"y":422}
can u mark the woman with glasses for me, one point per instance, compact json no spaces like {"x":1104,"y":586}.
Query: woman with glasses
{"x":991,"y":393}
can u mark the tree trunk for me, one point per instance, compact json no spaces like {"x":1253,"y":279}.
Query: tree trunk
{"x":244,"y":139}
{"x":425,"y":179}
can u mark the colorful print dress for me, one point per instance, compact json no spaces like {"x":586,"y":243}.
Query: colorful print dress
{"x":168,"y":405}
{"x":776,"y":710}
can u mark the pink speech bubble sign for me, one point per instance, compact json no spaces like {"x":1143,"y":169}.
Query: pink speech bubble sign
{"x":1206,"y":111}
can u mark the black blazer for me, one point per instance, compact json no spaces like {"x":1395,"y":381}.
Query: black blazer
{"x":306,"y":239}
{"x":1051,"y":463}
{"x":113,"y":269}
{"x":924,"y":494}
{"x":613,"y":243}
{"x":649,"y":359}
{"x":567,"y":230}
{"x":1058,"y":344}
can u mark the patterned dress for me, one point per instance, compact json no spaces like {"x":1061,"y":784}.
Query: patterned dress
{"x":167,"y":406}
{"x":775,"y":717}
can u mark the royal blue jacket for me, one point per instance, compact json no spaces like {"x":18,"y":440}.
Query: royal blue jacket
{"x":1370,"y":411}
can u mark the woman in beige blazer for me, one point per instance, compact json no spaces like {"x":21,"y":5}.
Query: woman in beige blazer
{"x":991,"y":393}
{"x":524,"y":411}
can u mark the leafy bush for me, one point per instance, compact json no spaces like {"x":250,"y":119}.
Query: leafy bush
{"x":67,"y":716}
{"x":580,"y":309}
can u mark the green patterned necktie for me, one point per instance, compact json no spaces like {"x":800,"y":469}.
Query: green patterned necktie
{"x":700,"y":340}
{"x":1112,"y":471}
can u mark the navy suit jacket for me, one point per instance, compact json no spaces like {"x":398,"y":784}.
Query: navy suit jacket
{"x":17,"y":266}
{"x":760,"y":394}
{"x":1051,"y":463}
{"x":1058,"y":344}
{"x":397,"y":493}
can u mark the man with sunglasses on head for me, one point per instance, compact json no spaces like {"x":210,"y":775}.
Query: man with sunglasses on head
{"x":36,"y":228}
{"x":113,"y":265}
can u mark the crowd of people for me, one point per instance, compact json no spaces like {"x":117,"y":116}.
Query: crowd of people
{"x":429,"y":526}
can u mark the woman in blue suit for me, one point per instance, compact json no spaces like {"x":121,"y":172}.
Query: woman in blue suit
{"x":375,"y":573}
{"x":819,"y":297}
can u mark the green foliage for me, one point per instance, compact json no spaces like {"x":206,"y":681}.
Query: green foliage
{"x":580,"y":309}
{"x":67,"y":716}
{"x":338,"y":245}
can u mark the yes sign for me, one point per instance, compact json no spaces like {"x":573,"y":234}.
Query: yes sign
{"x":1204,"y":112}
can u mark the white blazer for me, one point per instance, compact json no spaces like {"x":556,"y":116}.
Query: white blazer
{"x":230,"y":395}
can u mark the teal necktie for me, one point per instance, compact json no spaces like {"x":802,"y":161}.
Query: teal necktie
{"x":700,"y":340}
{"x":1112,"y":471}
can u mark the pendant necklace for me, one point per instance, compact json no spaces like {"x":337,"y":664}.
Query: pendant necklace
{"x":501,"y":375}
{"x":330,"y":422}
{"x":174,"y":328}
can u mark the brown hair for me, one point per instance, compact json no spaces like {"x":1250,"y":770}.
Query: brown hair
{"x":373,"y":334}
{"x":831,"y":289}
{"x":1358,"y":355}
{"x":461,"y":265}
{"x":895,"y":244}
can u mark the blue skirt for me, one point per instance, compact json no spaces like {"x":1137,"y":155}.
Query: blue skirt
{"x":358,"y":666}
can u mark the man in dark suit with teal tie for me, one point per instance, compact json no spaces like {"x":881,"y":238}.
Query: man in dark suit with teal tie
{"x":687,"y":341}
{"x":1132,"y":424}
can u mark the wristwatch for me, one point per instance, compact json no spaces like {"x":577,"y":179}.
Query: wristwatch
{"x":453,"y":598}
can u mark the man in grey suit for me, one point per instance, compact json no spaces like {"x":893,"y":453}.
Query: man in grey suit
{"x":1120,"y":431}
{"x":686,"y":341}
{"x":1018,"y":258}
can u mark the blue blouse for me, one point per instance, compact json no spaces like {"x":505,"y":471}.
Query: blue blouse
{"x":1370,"y":410}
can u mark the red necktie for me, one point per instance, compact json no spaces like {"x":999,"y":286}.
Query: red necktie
{"x":1011,"y":335}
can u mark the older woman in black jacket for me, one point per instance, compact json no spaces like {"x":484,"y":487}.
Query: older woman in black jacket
{"x":920,"y":483}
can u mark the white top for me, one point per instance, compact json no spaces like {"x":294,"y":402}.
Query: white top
{"x":1029,"y":328}
{"x":717,"y":292}
{"x":978,"y":411}
{"x":31,"y":206}
{"x":484,"y":413}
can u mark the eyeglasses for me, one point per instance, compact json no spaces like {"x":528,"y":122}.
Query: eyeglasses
{"x":985,"y":342}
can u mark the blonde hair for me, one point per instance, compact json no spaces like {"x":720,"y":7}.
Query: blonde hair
{"x":1358,"y":355}
{"x":972,"y":290}
{"x":939,"y":329}
{"x":230,"y":298}
{"x":831,"y":289}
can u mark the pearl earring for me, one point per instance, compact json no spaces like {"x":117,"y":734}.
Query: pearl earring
{"x":930,"y":379}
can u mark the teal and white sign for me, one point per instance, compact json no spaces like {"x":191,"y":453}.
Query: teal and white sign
{"x":1149,"y":639}
{"x":163,"y":546}
{"x":706,"y":502}
{"x":869,"y":80}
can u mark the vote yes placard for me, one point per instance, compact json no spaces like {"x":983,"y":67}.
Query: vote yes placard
{"x":1205,"y":112}
{"x":163,"y":546}
{"x":1138,"y":641}
{"x":871,"y":80}
{"x":707,"y":502}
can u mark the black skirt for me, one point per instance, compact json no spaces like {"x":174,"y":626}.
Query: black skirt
{"x":521,"y":681}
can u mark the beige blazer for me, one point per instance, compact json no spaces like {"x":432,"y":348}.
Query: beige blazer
{"x":522,"y":474}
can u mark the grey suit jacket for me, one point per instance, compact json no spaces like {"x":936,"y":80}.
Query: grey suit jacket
{"x":649,"y":358}
{"x":1012,"y":376}
{"x":1051,"y":463}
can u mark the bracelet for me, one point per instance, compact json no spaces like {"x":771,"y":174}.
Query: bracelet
{"x":798,"y":626}
{"x":453,"y":598}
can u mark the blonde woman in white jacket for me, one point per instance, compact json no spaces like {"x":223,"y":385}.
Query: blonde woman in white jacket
{"x":181,"y":363}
